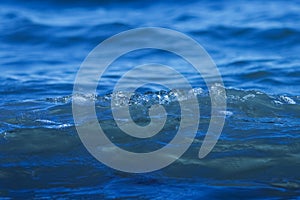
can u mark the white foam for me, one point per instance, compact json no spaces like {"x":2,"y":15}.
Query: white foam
{"x":287,"y":100}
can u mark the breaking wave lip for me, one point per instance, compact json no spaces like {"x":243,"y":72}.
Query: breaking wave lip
{"x":164,"y":97}
{"x":56,"y":113}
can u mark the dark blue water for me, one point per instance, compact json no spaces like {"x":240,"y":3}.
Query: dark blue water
{"x":255,"y":44}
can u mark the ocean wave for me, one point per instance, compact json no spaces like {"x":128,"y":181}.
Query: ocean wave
{"x":251,"y":35}
{"x":260,"y":133}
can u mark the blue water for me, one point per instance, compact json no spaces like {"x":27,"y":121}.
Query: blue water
{"x":255,"y":45}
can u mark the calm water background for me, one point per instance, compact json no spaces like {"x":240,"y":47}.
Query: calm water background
{"x":256,"y":46}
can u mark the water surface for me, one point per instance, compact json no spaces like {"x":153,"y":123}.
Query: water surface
{"x":256,"y":46}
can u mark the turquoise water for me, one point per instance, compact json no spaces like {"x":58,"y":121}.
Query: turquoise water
{"x":256,"y":47}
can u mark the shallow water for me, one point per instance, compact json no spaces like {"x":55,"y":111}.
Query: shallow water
{"x":255,"y":46}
